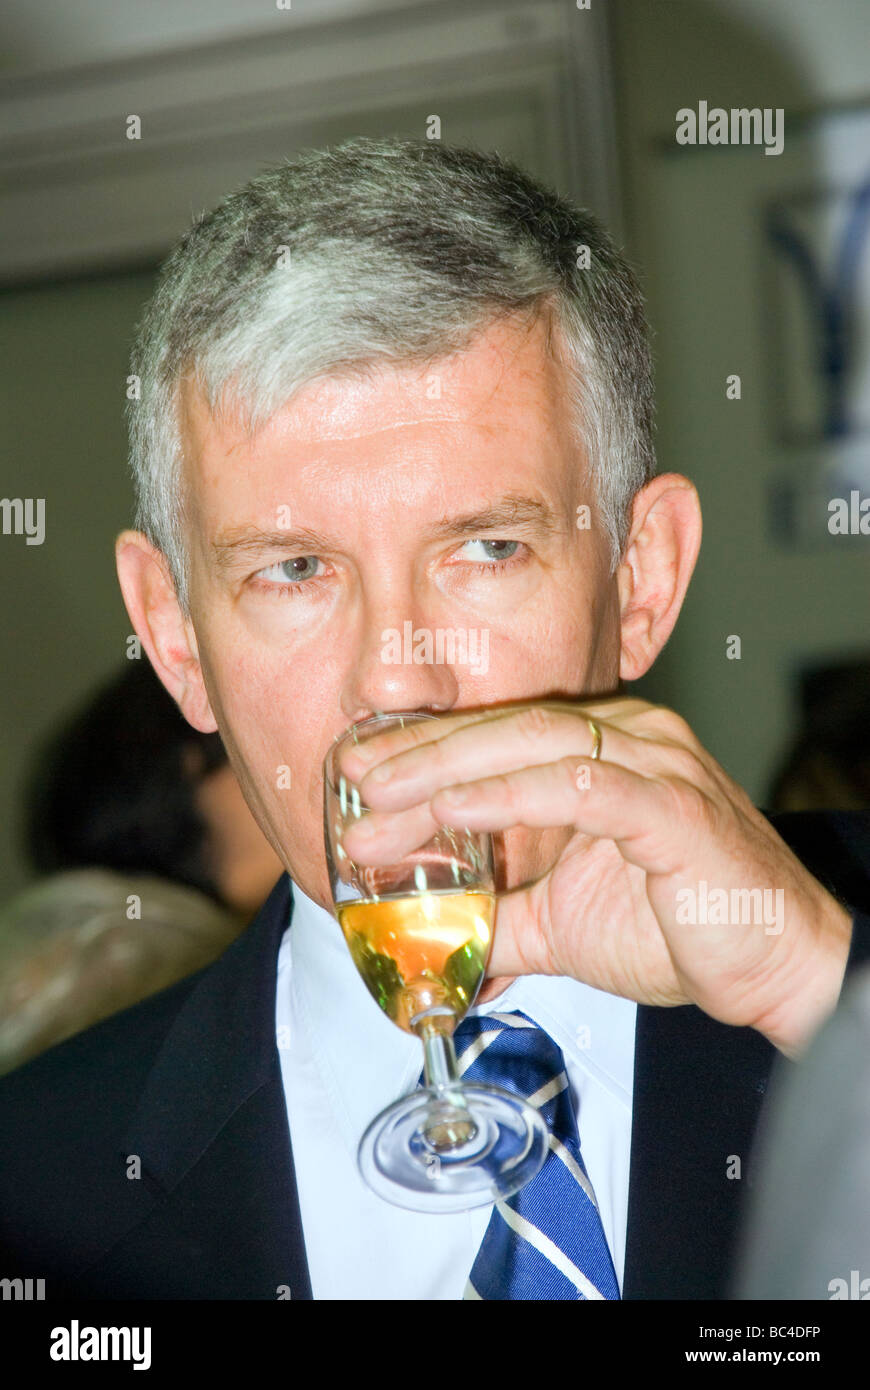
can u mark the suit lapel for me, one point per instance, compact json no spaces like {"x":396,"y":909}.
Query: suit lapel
{"x":219,"y":1213}
{"x":698,"y":1088}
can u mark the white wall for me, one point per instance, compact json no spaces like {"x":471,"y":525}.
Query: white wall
{"x":94,"y":31}
{"x":694,"y":231}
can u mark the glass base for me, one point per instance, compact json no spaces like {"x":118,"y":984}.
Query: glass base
{"x":453,"y":1147}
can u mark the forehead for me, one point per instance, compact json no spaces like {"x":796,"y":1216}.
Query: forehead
{"x":504,"y":396}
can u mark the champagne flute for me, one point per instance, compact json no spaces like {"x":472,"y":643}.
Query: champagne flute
{"x":420,"y":933}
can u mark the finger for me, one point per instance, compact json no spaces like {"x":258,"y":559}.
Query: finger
{"x":653,"y":822}
{"x":357,"y":759}
{"x":534,"y":737}
{"x":385,"y":839}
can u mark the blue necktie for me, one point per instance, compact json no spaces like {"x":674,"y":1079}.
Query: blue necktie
{"x":547,"y":1240}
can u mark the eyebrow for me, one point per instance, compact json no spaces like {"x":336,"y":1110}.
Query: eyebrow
{"x":509,"y":511}
{"x":512,"y":510}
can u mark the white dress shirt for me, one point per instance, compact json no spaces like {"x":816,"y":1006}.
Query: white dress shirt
{"x":343,"y":1061}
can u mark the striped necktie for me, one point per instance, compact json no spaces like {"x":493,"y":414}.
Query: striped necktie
{"x":547,"y":1240}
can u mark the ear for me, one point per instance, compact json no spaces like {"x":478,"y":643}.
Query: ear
{"x":659,"y":558}
{"x":167,"y":636}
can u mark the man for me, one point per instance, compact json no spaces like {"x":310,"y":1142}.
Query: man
{"x":397,"y":384}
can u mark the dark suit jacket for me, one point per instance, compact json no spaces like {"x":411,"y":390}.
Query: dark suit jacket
{"x":189,"y":1082}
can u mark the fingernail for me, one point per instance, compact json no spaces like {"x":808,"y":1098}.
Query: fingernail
{"x":455,"y":795}
{"x":363,"y":753}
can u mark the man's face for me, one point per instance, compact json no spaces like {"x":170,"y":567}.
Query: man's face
{"x":444,"y":497}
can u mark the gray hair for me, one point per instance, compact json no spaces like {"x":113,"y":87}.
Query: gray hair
{"x":377,"y":252}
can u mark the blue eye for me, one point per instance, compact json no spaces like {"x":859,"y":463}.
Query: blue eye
{"x":496,"y":550}
{"x":287,"y":578}
{"x":297,"y":570}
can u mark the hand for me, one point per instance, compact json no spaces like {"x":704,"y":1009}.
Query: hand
{"x":647,"y":823}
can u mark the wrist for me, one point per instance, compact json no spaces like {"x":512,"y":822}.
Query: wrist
{"x":811,"y":981}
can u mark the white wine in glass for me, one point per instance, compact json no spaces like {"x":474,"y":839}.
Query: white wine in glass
{"x":420,"y":934}
{"x":420,"y":951}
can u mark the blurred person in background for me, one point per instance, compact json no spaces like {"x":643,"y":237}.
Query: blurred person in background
{"x":829,"y":762}
{"x":151,"y":865}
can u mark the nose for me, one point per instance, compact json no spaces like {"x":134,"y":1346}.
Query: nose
{"x":395,"y":665}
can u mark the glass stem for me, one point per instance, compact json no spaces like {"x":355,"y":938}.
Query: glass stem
{"x":449,"y":1124}
{"x":439,"y":1059}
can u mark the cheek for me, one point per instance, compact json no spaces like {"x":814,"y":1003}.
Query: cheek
{"x":275,"y":714}
{"x":550,"y":646}
{"x":496,"y":598}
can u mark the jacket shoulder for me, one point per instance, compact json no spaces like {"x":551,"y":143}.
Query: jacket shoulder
{"x":63,"y":1117}
{"x":123,"y":1045}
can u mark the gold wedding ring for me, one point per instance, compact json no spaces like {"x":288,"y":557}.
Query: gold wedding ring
{"x":596,"y":739}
